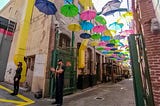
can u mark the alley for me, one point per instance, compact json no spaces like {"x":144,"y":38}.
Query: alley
{"x":107,"y":94}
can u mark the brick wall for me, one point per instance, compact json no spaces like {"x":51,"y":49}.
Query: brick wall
{"x":152,"y":43}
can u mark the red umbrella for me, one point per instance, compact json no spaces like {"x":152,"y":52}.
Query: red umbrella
{"x":88,"y":15}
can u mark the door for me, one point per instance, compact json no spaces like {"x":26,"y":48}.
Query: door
{"x":140,"y":70}
{"x":70,"y":74}
{"x":6,"y":35}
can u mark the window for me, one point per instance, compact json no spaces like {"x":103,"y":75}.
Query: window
{"x":64,"y":41}
{"x":68,"y":1}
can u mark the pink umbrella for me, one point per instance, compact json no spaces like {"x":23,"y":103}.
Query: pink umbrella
{"x":102,"y":43}
{"x":88,"y":15}
{"x":126,"y":32}
{"x":99,"y":28}
{"x":108,"y":48}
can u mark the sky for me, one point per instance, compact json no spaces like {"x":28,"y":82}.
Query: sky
{"x":3,"y":3}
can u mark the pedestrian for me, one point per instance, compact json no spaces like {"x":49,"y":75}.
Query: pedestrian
{"x":17,"y":78}
{"x":59,"y":75}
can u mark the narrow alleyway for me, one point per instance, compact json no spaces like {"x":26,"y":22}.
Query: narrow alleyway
{"x":108,"y":94}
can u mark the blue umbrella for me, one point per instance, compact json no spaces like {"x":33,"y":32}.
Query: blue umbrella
{"x":110,"y":45}
{"x":105,"y":38}
{"x":85,"y":35}
{"x":116,"y":10}
{"x":86,"y":25}
{"x":116,"y":26}
{"x":46,"y":7}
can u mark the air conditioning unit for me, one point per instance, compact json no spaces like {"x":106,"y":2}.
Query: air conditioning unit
{"x":155,"y":26}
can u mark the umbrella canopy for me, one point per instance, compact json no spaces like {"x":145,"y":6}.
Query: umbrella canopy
{"x":46,"y":7}
{"x":116,"y":26}
{"x":101,"y":20}
{"x":104,"y":51}
{"x":113,"y":11}
{"x":109,"y":32}
{"x":119,"y":37}
{"x":96,"y":36}
{"x":113,"y":49}
{"x":88,"y":15}
{"x":85,"y":35}
{"x":100,"y":48}
{"x":86,"y":25}
{"x":110,"y":45}
{"x":105,"y":38}
{"x":126,"y":17}
{"x":74,"y":27}
{"x":86,"y":3}
{"x":102,"y":43}
{"x":111,"y":5}
{"x":69,"y":10}
{"x":99,"y":28}
{"x":126,"y":32}
{"x":108,"y":48}
{"x":94,"y":43}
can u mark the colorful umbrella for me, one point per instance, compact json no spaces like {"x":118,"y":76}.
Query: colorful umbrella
{"x":113,"y":11}
{"x":108,"y":48}
{"x":96,"y":36}
{"x":88,"y":15}
{"x":114,"y":41}
{"x":105,"y":38}
{"x":94,"y":43}
{"x":46,"y":7}
{"x":104,"y":51}
{"x":119,"y":37}
{"x":74,"y":27}
{"x":85,"y":35}
{"x":102,"y":43}
{"x":99,"y":28}
{"x":86,"y":3}
{"x":110,"y":5}
{"x":100,"y":48}
{"x":69,"y":10}
{"x":101,"y":20}
{"x":116,"y":26}
{"x":109,"y":32}
{"x":113,"y":49}
{"x":86,"y":25}
{"x":110,"y":45}
{"x":126,"y":32}
{"x":126,"y":17}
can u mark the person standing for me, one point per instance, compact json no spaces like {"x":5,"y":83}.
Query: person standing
{"x":17,"y":78}
{"x":59,"y":74}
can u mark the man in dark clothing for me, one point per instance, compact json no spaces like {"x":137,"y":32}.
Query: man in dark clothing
{"x":59,"y":73}
{"x":17,"y":78}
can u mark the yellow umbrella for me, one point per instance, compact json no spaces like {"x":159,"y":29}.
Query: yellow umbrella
{"x":94,"y":43}
{"x":86,"y":3}
{"x":109,"y":32}
{"x":74,"y":27}
{"x":126,"y":17}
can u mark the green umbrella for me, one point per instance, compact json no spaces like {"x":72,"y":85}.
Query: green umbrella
{"x":101,"y":20}
{"x":96,"y":36}
{"x":69,"y":10}
{"x":100,"y":48}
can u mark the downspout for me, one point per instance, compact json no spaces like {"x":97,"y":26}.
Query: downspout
{"x":23,"y":37}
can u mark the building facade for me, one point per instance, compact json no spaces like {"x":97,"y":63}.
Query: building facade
{"x":40,"y":49}
{"x":145,"y":11}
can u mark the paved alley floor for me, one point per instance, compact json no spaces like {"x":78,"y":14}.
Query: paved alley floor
{"x":106,"y":94}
